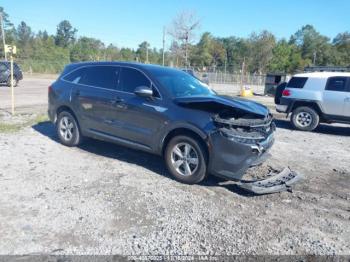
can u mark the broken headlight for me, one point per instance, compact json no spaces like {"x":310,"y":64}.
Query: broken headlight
{"x":241,"y":136}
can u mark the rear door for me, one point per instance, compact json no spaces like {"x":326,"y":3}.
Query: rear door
{"x":335,"y":95}
{"x":94,"y":95}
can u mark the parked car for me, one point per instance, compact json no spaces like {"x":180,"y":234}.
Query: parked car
{"x":5,"y":74}
{"x":162,"y":111}
{"x":317,"y":97}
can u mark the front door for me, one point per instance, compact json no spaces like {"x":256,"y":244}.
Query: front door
{"x":142,"y":118}
{"x":346,"y":110}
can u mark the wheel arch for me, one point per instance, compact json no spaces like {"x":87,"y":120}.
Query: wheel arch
{"x":63,"y":108}
{"x":199,"y":136}
{"x":304,"y":103}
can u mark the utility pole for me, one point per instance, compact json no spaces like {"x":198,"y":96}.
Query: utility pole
{"x":163,"y":45}
{"x":225,"y":70}
{"x":242,"y":75}
{"x":186,"y":49}
{"x":315,"y":55}
{"x":3,"y":34}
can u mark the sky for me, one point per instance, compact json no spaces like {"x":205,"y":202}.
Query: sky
{"x":127,"y":23}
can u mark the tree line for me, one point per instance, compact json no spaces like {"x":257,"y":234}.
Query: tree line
{"x":259,"y":53}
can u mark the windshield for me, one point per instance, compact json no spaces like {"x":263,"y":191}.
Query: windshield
{"x":181,"y":84}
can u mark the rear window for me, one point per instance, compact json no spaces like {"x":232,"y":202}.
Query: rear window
{"x":297,"y":82}
{"x":336,"y":84}
{"x":75,"y":76}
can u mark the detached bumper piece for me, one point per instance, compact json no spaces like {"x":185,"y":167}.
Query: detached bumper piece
{"x":273,"y":184}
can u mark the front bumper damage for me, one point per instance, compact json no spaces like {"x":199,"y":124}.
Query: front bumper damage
{"x":273,"y":183}
{"x":239,"y":144}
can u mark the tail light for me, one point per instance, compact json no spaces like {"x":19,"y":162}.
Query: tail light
{"x":286,"y":92}
{"x":49,"y":89}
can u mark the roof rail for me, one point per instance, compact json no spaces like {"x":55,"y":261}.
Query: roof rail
{"x":326,"y":69}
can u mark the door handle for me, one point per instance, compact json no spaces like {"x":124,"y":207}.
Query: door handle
{"x":347,"y":99}
{"x":76,"y":93}
{"x":117,"y":100}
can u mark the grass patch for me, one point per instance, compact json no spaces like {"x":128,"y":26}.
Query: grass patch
{"x":9,"y":128}
{"x":13,"y":128}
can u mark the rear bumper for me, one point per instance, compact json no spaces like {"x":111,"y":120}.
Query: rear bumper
{"x":281,"y":108}
{"x":51,"y":111}
{"x":285,"y":105}
{"x":231,"y":160}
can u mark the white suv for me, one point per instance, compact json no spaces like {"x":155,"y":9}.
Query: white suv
{"x":316,"y":97}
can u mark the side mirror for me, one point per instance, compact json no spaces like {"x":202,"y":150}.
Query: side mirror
{"x":143,"y":91}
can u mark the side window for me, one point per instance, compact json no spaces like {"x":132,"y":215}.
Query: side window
{"x":336,"y":84}
{"x":132,"y":78}
{"x":297,"y":82}
{"x":3,"y":67}
{"x":75,"y":76}
{"x":101,"y":76}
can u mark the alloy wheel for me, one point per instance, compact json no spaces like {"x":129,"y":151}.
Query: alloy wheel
{"x":66,"y":128}
{"x":184,"y":159}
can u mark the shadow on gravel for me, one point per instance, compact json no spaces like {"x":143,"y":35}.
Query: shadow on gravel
{"x":152,"y":162}
{"x":321,"y":129}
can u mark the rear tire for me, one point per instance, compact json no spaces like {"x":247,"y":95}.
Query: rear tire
{"x":185,"y":158}
{"x":68,"y":130}
{"x":15,"y":82}
{"x":305,"y":118}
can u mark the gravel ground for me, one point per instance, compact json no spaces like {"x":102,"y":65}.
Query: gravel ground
{"x":101,"y":198}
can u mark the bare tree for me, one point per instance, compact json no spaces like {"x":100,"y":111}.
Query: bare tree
{"x":183,"y":29}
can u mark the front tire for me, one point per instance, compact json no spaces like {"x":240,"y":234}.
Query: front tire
{"x":68,"y":129}
{"x":305,"y":118}
{"x":185,"y":158}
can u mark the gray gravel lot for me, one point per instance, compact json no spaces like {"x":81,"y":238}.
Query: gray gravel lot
{"x":101,"y":198}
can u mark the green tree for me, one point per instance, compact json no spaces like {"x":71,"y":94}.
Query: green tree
{"x":24,"y":37}
{"x":313,"y":46}
{"x":342,"y":48}
{"x":24,"y":34}
{"x":87,"y":49}
{"x":143,"y":52}
{"x":208,"y":52}
{"x":127,"y":54}
{"x":65,"y":34}
{"x":112,"y":53}
{"x":6,"y":19}
{"x":261,"y":46}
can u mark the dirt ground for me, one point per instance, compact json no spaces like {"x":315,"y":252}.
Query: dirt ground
{"x":101,"y":198}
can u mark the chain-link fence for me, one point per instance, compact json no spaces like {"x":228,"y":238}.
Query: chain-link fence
{"x":232,"y":83}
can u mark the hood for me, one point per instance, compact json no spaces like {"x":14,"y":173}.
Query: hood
{"x":227,"y":102}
